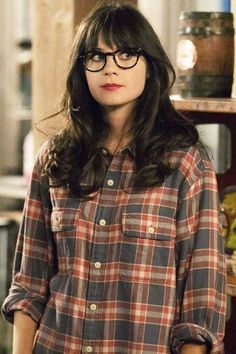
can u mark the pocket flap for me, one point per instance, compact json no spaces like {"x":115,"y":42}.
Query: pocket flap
{"x":62,"y":220}
{"x":148,"y":226}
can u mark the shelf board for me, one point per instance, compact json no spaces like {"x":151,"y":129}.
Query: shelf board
{"x":15,"y":215}
{"x":219,"y":105}
{"x":231,"y":285}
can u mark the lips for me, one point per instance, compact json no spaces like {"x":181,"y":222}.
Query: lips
{"x":111,"y":87}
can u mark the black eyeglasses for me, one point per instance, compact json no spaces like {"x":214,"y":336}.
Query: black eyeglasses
{"x":124,"y":58}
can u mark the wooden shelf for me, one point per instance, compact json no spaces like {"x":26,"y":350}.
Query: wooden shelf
{"x":217,"y":105}
{"x":15,"y":215}
{"x":231,"y":285}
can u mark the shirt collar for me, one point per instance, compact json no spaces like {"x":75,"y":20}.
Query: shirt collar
{"x":128,"y":149}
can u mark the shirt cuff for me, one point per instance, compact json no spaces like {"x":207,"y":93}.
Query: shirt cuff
{"x":191,"y":333}
{"x":31,"y":304}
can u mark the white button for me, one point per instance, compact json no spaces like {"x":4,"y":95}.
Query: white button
{"x":151,"y":230}
{"x":57,"y":220}
{"x":88,"y":349}
{"x":93,"y":307}
{"x":110,"y":182}
{"x":102,"y":222}
{"x":97,"y":265}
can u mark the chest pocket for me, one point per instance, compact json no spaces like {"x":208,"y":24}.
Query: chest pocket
{"x":148,"y":226}
{"x":147,"y":251}
{"x":64,"y":220}
{"x":63,"y":225}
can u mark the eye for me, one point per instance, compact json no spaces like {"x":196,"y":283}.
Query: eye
{"x":126,"y":54}
{"x":96,"y":56}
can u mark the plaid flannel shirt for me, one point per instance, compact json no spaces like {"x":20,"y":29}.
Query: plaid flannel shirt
{"x":130,"y":271}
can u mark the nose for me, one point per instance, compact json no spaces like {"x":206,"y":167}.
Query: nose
{"x":110,"y":67}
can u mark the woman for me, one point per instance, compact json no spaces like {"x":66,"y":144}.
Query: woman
{"x":120,"y":248}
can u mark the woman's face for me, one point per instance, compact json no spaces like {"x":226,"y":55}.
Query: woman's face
{"x":114,"y":87}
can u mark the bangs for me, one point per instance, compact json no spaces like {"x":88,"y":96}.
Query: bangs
{"x":115,"y":27}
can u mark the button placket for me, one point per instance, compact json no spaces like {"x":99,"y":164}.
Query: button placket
{"x":94,"y":295}
{"x":94,"y":308}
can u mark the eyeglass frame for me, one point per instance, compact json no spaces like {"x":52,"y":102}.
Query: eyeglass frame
{"x":139,"y":52}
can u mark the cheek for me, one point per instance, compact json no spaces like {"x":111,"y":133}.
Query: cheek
{"x":138,"y":83}
{"x":92,"y":84}
{"x":140,"y":76}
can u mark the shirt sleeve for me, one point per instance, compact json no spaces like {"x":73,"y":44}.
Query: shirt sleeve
{"x":201,"y":271}
{"x":34,"y":263}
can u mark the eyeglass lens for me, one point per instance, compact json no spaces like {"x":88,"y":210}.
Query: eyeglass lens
{"x":124,"y":58}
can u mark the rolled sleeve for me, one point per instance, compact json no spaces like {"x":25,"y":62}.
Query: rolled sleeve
{"x":19,"y":299}
{"x":35,"y":261}
{"x":201,"y":272}
{"x":190,"y":333}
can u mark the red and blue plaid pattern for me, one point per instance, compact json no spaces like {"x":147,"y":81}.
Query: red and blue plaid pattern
{"x":129,"y":271}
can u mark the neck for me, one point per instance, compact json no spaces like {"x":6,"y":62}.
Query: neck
{"x":119,"y":134}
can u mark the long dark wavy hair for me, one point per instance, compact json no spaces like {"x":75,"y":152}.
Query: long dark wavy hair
{"x":157,"y":128}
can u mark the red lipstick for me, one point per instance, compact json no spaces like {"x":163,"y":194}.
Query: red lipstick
{"x":111,"y":87}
